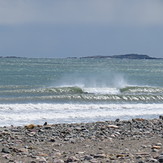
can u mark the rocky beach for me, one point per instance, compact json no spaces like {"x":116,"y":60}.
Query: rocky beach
{"x":136,"y":140}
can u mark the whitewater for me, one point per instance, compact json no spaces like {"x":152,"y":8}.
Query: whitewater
{"x":74,"y":90}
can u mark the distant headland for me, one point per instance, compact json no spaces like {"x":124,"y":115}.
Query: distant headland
{"x":125,"y":56}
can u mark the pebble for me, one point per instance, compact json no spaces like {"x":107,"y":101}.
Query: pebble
{"x":72,"y":159}
{"x":156,"y":147}
{"x":113,"y":126}
{"x":30,"y":126}
{"x":7,"y":156}
{"x":159,"y":144}
{"x":41,"y":160}
{"x":100,"y":155}
{"x":152,"y":160}
{"x":155,"y":150}
{"x":31,"y":134}
{"x":160,"y":159}
{"x":88,"y":157}
{"x":57,"y":154}
{"x":45,"y":143}
{"x":58,"y":161}
{"x":6,"y":150}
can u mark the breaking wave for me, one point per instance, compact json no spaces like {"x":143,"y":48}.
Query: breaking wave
{"x":83,"y":94}
{"x":138,"y":89}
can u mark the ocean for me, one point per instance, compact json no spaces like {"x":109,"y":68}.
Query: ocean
{"x":74,"y":90}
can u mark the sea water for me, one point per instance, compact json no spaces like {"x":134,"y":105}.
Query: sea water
{"x":74,"y":90}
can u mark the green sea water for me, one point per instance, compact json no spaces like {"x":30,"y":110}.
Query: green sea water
{"x":79,"y":89}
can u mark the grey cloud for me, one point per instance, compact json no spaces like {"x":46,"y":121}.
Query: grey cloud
{"x":125,"y":12}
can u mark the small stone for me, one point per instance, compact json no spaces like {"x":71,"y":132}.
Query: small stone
{"x":112,"y":126}
{"x":80,"y":153}
{"x":144,"y":146}
{"x":72,"y":141}
{"x":43,"y":154}
{"x":152,"y":160}
{"x":57,"y":154}
{"x":23,"y":150}
{"x":6,"y":150}
{"x":117,"y":120}
{"x":31,"y":126}
{"x":47,"y":127}
{"x":100,"y":148}
{"x":31,"y":134}
{"x":155,"y":150}
{"x":7,"y":156}
{"x":156,"y":147}
{"x":72,"y":159}
{"x":94,"y":161}
{"x":138,"y":157}
{"x":160,"y":159}
{"x":139,"y":119}
{"x":52,"y":140}
{"x":100,"y":155}
{"x":88,"y":157}
{"x":78,"y":128}
{"x":161,"y":117}
{"x":159,"y":144}
{"x":112,"y":136}
{"x":41,"y":130}
{"x":120,"y":155}
{"x":45,"y":123}
{"x":58,"y":161}
{"x":41,"y":160}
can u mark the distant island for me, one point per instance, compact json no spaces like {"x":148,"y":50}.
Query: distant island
{"x":11,"y":57}
{"x":125,"y":56}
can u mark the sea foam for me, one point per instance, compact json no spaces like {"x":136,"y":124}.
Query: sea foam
{"x":21,"y":114}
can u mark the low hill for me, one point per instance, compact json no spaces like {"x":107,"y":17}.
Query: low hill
{"x":125,"y":56}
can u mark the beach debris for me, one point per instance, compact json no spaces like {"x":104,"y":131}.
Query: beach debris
{"x":30,"y":126}
{"x":156,"y":147}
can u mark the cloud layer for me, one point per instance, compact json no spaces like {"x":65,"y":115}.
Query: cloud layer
{"x":112,"y":12}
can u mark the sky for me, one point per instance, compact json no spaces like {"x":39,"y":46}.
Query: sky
{"x":76,"y":28}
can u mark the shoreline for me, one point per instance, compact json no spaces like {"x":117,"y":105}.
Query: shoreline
{"x":137,"y":140}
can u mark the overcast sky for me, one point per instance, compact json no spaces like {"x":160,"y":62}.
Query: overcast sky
{"x":74,"y":28}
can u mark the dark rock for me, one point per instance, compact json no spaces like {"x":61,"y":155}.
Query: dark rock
{"x":100,"y":155}
{"x":52,"y":140}
{"x":72,"y":159}
{"x":117,"y":120}
{"x":160,"y":159}
{"x":6,"y":150}
{"x":88,"y":158}
{"x":161,"y":117}
{"x":45,"y":123}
